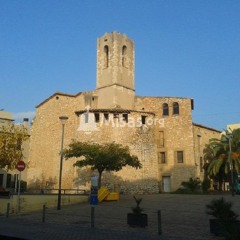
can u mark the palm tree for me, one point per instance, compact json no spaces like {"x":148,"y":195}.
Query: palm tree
{"x":214,"y":163}
{"x":220,"y":158}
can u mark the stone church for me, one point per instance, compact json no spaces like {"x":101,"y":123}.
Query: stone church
{"x":159,"y":130}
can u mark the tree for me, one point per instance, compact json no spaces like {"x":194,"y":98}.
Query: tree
{"x":12,"y":138}
{"x":101,"y":157}
{"x":216,"y":153}
{"x":213,"y":166}
{"x":192,"y":184}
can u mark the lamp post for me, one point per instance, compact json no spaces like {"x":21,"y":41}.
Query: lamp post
{"x":63,"y":120}
{"x":229,"y":137}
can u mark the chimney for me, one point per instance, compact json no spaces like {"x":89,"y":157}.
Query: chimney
{"x":25,"y":122}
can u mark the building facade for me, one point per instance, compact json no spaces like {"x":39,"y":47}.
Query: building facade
{"x":159,"y":130}
{"x":9,"y":178}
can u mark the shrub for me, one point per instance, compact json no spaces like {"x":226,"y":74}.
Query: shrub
{"x":221,"y":209}
{"x":193,"y":184}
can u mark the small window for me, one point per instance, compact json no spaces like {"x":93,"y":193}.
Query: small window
{"x":125,"y":117}
{"x":116,"y":115}
{"x":165,"y":109}
{"x":143,"y":120}
{"x":179,"y":156}
{"x":106,"y":56}
{"x":175,"y":108}
{"x":97,"y":117}
{"x":106,"y":116}
{"x":162,"y":157}
{"x":124,"y":55}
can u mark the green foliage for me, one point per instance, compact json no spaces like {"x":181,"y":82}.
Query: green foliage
{"x":101,"y":157}
{"x":193,"y":184}
{"x":218,"y":157}
{"x":12,"y":138}
{"x":221,"y":209}
{"x":137,"y":209}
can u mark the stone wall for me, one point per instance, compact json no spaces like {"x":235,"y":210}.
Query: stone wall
{"x":142,"y":139}
{"x":45,"y":140}
{"x":135,"y":121}
{"x":178,"y":136}
{"x":202,"y":135}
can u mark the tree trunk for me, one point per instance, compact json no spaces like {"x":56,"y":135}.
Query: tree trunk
{"x":99,"y":179}
{"x":220,"y":185}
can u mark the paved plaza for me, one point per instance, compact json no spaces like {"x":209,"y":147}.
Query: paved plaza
{"x":183,"y":218}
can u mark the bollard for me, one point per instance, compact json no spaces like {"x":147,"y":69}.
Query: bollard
{"x":44,"y":213}
{"x":159,"y":222}
{"x":92,"y":217}
{"x":8,"y":209}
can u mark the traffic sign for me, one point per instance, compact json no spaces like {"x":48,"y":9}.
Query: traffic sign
{"x":20,"y":166}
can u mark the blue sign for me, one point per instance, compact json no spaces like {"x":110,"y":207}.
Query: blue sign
{"x":94,"y":190}
{"x":93,"y":199}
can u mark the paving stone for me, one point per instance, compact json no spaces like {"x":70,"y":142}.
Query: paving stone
{"x":183,"y":218}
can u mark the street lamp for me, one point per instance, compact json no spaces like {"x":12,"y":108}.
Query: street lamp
{"x":229,"y":137}
{"x":63,"y":120}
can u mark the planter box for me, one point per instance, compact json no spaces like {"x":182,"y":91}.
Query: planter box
{"x":137,"y":220}
{"x":224,"y":227}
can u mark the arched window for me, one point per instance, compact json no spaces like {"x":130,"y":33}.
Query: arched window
{"x":106,"y":56}
{"x":175,"y":108}
{"x":165,"y":109}
{"x":124,"y":56}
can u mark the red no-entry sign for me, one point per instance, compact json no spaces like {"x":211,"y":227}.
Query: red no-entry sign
{"x":20,"y":166}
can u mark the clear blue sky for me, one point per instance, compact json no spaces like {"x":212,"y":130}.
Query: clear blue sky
{"x":184,"y":48}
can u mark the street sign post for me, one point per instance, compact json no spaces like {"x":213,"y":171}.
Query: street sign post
{"x":20,"y":167}
{"x":94,"y":190}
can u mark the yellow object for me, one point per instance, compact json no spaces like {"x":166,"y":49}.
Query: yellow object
{"x":102,"y":193}
{"x":113,"y":196}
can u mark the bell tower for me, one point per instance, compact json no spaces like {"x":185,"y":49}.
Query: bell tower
{"x":115,"y":71}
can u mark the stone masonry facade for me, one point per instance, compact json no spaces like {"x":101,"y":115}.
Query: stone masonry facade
{"x":159,"y":130}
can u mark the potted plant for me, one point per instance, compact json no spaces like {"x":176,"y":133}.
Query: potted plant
{"x":225,"y":221}
{"x":137,"y":218}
